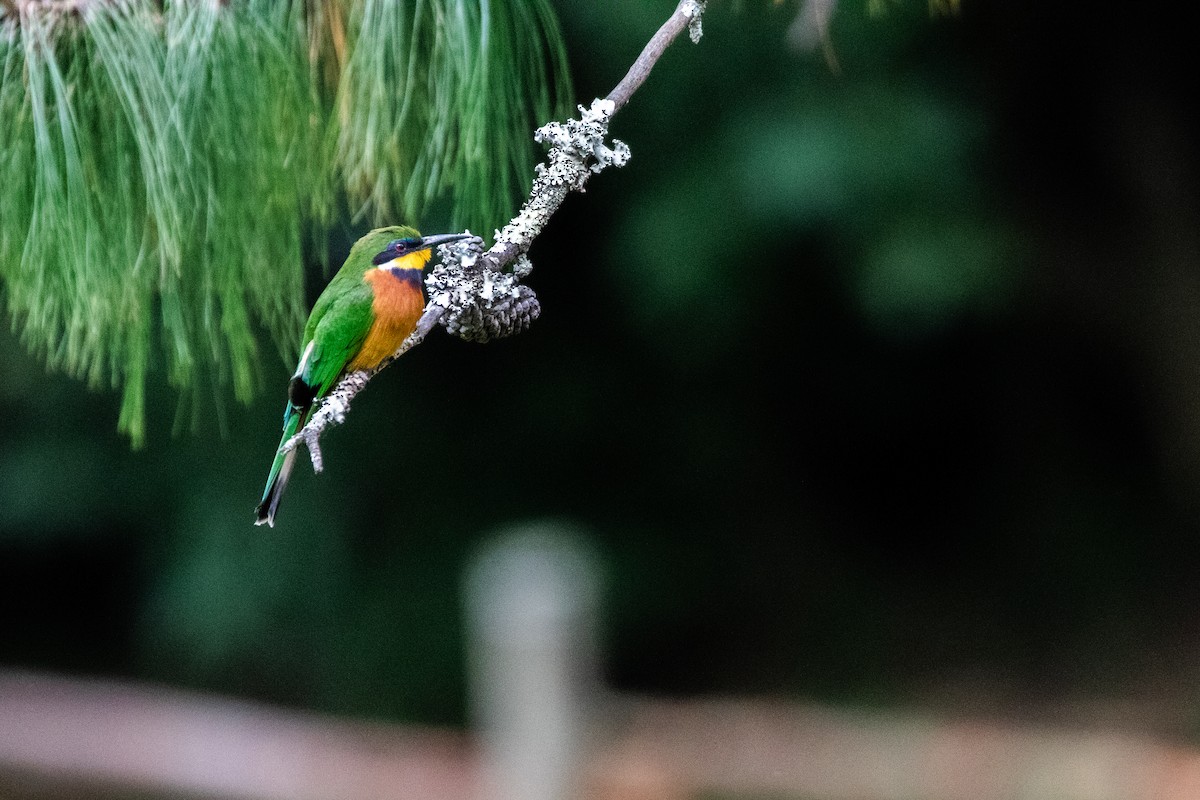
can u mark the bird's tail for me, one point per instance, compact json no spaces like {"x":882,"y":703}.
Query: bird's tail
{"x":281,"y":468}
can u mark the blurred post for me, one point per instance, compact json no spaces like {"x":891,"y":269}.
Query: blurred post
{"x":531,"y":597}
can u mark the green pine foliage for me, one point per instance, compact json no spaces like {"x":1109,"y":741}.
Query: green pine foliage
{"x":165,"y":167}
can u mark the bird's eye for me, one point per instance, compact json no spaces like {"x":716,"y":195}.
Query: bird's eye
{"x":398,"y":245}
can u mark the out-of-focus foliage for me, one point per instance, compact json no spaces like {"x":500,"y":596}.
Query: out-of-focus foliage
{"x":875,"y":386}
{"x":935,"y":6}
{"x":463,"y":84}
{"x":163,"y":171}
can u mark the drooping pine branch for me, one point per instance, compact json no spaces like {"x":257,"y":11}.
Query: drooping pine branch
{"x":165,"y":167}
{"x":478,"y":295}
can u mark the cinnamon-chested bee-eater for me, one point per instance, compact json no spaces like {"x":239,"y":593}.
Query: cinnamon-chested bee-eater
{"x":365,"y":313}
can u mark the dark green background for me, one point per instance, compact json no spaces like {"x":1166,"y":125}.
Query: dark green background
{"x":874,"y":387}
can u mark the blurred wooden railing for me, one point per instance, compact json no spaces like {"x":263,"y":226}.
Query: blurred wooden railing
{"x":104,"y":738}
{"x":544,"y":730}
{"x":114,"y":735}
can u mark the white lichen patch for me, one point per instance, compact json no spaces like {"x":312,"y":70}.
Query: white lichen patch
{"x":578,"y":149}
{"x":694,"y":10}
{"x":478,"y":303}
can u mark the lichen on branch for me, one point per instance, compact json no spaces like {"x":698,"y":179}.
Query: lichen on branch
{"x":477,"y":295}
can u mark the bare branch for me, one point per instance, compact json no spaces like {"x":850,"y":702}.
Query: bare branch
{"x":687,"y":15}
{"x":478,"y":296}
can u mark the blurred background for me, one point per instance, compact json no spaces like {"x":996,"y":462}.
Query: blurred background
{"x":871,"y":389}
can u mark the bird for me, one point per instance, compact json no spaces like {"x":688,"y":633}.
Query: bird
{"x":363,"y":316}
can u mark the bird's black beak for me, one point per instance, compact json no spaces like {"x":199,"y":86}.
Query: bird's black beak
{"x":442,"y":238}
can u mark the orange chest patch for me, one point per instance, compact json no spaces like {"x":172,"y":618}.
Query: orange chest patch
{"x":397,"y":305}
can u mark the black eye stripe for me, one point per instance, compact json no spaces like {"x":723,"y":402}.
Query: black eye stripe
{"x":396,"y":248}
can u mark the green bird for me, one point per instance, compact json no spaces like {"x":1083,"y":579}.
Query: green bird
{"x":365,"y":313}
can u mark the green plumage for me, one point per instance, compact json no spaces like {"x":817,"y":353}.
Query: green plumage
{"x":333,"y":336}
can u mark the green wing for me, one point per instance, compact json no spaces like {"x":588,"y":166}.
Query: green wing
{"x":336,"y":329}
